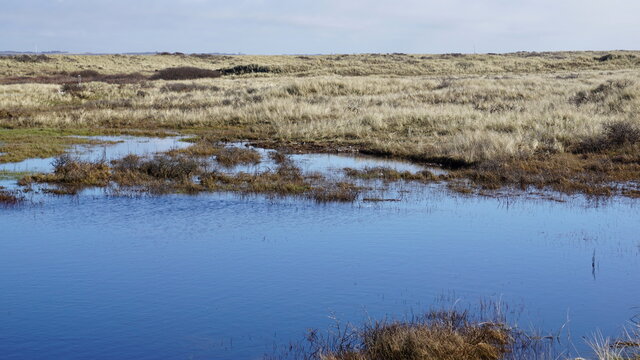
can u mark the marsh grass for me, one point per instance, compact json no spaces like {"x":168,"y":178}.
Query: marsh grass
{"x":178,"y":173}
{"x":625,"y":348}
{"x":436,"y":335}
{"x":10,"y":198}
{"x":73,"y":173}
{"x":233,"y":156}
{"x":21,"y":144}
{"x":462,"y":112}
{"x":389,"y":174}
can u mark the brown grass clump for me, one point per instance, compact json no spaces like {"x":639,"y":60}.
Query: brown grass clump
{"x":8,"y":198}
{"x":286,"y":180}
{"x":159,"y":175}
{"x":388,"y":174}
{"x":160,"y":167}
{"x":590,"y":174}
{"x":73,"y":89}
{"x":436,"y":336}
{"x":337,"y":192}
{"x":270,"y":183}
{"x":73,"y":172}
{"x":232,"y":156}
{"x":185,"y":73}
{"x":615,"y":135}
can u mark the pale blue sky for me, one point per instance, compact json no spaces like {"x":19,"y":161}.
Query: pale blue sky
{"x":329,"y":26}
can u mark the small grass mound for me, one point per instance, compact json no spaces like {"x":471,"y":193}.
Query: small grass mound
{"x":185,"y":73}
{"x":443,"y":335}
{"x":9,"y":198}
{"x":615,"y":135}
{"x":73,"y":172}
{"x":388,"y":174}
{"x":338,"y":192}
{"x":233,"y":156}
{"x":73,"y":89}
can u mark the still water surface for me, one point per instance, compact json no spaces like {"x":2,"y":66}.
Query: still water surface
{"x":220,"y":276}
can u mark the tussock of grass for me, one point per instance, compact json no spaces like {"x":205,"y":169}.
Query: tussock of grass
{"x":441,"y":335}
{"x":160,"y":166}
{"x":9,"y":199}
{"x":337,"y":192}
{"x":73,"y":89}
{"x":388,"y":174}
{"x":615,"y":135}
{"x":625,"y":348}
{"x":73,"y":172}
{"x":232,"y":156}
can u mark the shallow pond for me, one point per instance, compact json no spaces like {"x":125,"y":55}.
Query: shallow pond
{"x":225,"y":276}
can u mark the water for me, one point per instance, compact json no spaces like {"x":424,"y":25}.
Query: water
{"x":120,"y":147}
{"x":224,"y":276}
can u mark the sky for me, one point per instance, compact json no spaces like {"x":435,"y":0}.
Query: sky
{"x":318,"y":26}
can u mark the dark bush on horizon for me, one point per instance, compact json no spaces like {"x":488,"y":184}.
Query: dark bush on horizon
{"x":185,"y":73}
{"x":248,"y":69}
{"x":31,"y":58}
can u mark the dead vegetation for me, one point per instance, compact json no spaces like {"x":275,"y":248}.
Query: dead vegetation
{"x":614,"y":136}
{"x":177,"y":173}
{"x":437,"y":335}
{"x":233,"y":156}
{"x":73,"y":172}
{"x":9,"y":198}
{"x":388,"y":174}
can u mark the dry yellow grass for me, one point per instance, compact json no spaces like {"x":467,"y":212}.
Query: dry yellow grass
{"x":455,"y":110}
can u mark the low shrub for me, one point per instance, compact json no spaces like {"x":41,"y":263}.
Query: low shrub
{"x":248,"y":69}
{"x":185,"y":73}
{"x":614,"y":135}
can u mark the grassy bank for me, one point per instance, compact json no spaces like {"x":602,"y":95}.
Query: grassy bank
{"x":565,"y":121}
